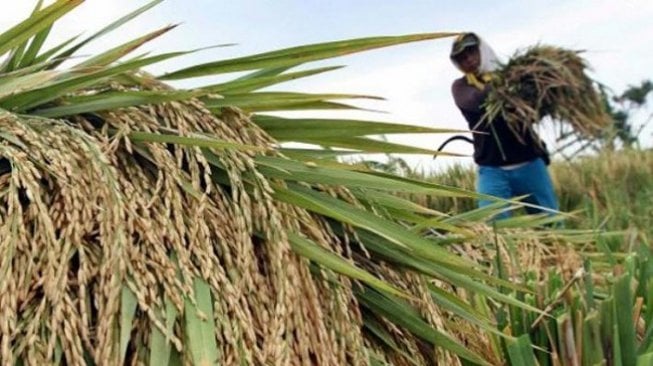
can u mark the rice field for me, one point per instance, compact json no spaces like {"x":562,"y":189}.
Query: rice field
{"x":611,"y":190}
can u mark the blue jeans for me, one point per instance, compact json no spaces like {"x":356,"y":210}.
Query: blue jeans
{"x":531,"y":179}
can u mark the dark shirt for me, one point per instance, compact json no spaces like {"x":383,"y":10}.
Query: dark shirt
{"x":498,"y":145}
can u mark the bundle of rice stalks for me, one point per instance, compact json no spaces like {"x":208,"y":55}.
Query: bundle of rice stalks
{"x":547,"y":81}
{"x":106,"y":240}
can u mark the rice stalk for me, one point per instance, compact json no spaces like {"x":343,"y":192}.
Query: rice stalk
{"x":88,"y":210}
{"x":547,"y":81}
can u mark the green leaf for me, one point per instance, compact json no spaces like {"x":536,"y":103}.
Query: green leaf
{"x":368,"y":145}
{"x":452,"y":268}
{"x":481,"y":213}
{"x":290,"y":170}
{"x":118,"y":52}
{"x":36,"y":43}
{"x":298,"y":55}
{"x":45,"y":56}
{"x":439,"y":223}
{"x":199,"y":141}
{"x":75,"y":81}
{"x":607,"y":322}
{"x":379,"y":331}
{"x":617,"y":353}
{"x":20,"y":84}
{"x":128,"y":304}
{"x":395,"y":214}
{"x":624,"y":319}
{"x":433,"y":188}
{"x":247,"y":85}
{"x":39,"y":21}
{"x":342,"y":211}
{"x":592,"y":347}
{"x":392,"y":201}
{"x":405,"y":316}
{"x":112,"y":101}
{"x":465,"y":193}
{"x":263,"y":73}
{"x":273,"y":100}
{"x":109,"y":28}
{"x":520,"y":351}
{"x":58,"y":353}
{"x":448,"y":301}
{"x":391,"y":253}
{"x":308,"y":249}
{"x":314,"y":154}
{"x":286,"y":106}
{"x":375,"y":359}
{"x":646,"y":344}
{"x":457,"y":278}
{"x":34,"y":48}
{"x":526,"y":221}
{"x":200,"y":325}
{"x":25,"y":71}
{"x":160,"y":346}
{"x":645,"y":360}
{"x":11,"y":63}
{"x":290,"y":129}
{"x":19,"y":53}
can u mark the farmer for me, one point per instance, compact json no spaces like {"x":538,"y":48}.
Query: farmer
{"x":507,"y":166}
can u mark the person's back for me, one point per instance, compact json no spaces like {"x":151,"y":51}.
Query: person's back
{"x":508,"y":165}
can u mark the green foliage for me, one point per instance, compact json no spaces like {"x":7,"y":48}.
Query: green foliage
{"x":613,"y":190}
{"x":621,"y":108}
{"x":609,"y":327}
{"x":636,"y":94}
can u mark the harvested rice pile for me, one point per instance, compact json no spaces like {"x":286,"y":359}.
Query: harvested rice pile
{"x":83,"y":213}
{"x":547,"y":81}
{"x":116,"y":251}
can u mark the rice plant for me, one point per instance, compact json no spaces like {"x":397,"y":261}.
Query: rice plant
{"x":597,"y":306}
{"x":142,"y":224}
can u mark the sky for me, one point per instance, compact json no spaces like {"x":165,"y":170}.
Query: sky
{"x":414,"y":79}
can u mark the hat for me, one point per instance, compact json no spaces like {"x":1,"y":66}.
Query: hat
{"x":463,"y":41}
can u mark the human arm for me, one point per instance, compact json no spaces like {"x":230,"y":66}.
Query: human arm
{"x":468,"y":98}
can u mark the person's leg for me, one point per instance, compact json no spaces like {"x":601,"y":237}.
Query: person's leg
{"x":493,"y":181}
{"x":534,"y":180}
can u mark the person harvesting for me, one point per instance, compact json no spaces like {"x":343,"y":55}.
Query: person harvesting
{"x":509,"y":164}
